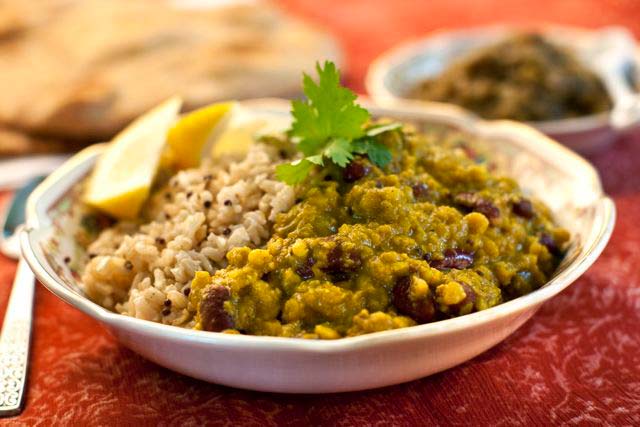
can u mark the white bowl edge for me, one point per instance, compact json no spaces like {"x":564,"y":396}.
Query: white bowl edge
{"x":56,"y":184}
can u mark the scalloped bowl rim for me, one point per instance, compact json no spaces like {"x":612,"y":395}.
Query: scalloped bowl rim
{"x":38,"y":220}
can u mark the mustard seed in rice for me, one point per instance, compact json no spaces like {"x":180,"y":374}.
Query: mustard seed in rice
{"x":144,"y":269}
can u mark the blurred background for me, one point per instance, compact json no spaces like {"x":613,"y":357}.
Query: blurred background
{"x":367,"y":28}
{"x":74,"y":72}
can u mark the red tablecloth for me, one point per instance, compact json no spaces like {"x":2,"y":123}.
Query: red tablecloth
{"x":576,"y":362}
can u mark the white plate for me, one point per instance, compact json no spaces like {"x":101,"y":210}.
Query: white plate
{"x":391,"y":76}
{"x":567,"y":183}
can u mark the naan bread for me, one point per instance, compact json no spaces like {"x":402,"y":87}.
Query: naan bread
{"x":94,"y":65}
{"x":15,"y":143}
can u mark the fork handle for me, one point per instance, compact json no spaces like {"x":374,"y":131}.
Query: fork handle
{"x":14,"y":342}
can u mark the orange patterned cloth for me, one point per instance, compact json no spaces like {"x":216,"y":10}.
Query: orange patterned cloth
{"x":576,"y":362}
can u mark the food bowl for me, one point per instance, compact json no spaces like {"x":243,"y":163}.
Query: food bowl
{"x":554,"y":174}
{"x":610,"y":52}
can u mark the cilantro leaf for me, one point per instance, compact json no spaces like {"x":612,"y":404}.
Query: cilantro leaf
{"x":329,"y":112}
{"x":294,"y":173}
{"x":379,"y":154}
{"x":329,"y":124}
{"x":360,"y":146}
{"x":376,"y":130}
{"x":316,"y":160}
{"x":339,"y":151}
{"x":313,"y":138}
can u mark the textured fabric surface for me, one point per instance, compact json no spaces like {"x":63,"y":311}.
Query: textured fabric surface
{"x":577,"y":362}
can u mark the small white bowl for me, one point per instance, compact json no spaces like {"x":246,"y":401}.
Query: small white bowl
{"x":395,"y":73}
{"x":567,"y":183}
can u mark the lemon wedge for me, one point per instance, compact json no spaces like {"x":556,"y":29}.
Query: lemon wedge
{"x":123,"y":175}
{"x":243,"y":128}
{"x":217,"y":129}
{"x":191,"y":138}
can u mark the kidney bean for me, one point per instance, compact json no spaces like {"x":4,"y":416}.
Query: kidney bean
{"x":340,"y":265}
{"x":548,"y":241}
{"x":523,"y":208}
{"x":422,"y":311}
{"x":354,"y":171}
{"x":213,"y":316}
{"x":305,"y":270}
{"x":470,"y":298}
{"x":420,"y":190}
{"x":453,"y":258}
{"x":476,"y":203}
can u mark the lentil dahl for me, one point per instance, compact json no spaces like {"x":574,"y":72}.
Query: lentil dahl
{"x":431,"y":236}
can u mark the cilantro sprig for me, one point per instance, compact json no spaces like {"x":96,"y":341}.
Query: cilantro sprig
{"x":330,"y":126}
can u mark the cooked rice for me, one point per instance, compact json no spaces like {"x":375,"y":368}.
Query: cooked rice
{"x":144,"y":270}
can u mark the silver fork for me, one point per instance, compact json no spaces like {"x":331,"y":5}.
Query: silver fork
{"x":15,"y":337}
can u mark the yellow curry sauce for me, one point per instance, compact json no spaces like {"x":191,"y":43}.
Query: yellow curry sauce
{"x":431,"y":236}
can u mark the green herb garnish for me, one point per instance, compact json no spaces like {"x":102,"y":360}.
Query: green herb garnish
{"x":329,"y":125}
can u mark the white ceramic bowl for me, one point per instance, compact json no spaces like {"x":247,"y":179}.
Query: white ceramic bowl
{"x":567,"y":183}
{"x":395,"y":73}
